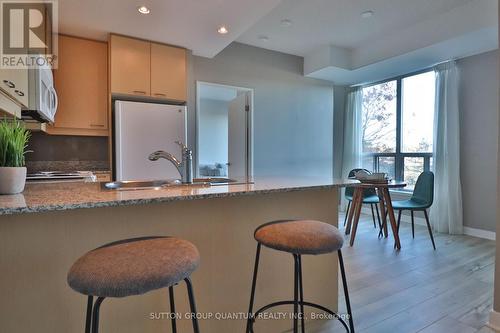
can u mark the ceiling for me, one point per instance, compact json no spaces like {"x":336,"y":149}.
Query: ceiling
{"x":338,"y":22}
{"x":402,"y":36}
{"x":337,"y":43}
{"x":192,"y":24}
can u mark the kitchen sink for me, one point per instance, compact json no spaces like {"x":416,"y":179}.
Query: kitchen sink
{"x":139,"y":185}
{"x":156,"y":184}
{"x":214,"y":181}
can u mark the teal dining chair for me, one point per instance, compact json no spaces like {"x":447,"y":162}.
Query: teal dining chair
{"x":369,"y":197}
{"x":421,"y":200}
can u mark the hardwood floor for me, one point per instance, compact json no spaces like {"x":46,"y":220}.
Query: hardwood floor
{"x":416,"y":289}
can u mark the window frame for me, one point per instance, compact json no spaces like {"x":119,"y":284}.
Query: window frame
{"x":399,"y":156}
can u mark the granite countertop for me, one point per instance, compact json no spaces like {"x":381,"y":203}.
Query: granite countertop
{"x":42,"y":197}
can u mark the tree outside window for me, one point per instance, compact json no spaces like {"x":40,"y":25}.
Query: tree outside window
{"x":397,"y":126}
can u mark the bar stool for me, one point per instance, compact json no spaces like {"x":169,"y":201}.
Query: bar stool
{"x":134,"y":267}
{"x":299,"y":237}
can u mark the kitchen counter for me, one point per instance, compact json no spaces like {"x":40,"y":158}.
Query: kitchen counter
{"x":42,"y":197}
{"x":47,"y":228}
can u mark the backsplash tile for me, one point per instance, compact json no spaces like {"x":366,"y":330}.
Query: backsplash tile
{"x":67,"y":153}
{"x":36,"y":166}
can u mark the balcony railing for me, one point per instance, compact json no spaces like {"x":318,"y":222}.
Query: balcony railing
{"x":399,"y":166}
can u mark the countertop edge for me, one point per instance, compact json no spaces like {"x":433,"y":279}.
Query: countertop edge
{"x":136,"y":202}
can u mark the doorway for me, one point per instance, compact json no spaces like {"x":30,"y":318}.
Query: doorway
{"x":224,"y":136}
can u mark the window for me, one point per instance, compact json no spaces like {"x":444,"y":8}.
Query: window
{"x":397,"y":126}
{"x":379,"y":118}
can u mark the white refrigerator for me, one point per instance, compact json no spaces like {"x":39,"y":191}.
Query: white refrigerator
{"x":139,"y":130}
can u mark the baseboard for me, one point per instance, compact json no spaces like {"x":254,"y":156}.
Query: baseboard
{"x":494,"y":321}
{"x":491,"y":235}
{"x":474,"y":232}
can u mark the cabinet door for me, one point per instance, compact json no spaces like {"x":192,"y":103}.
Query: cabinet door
{"x":130,"y":66}
{"x":168,"y":72}
{"x":15,"y":83}
{"x":82,"y":86}
{"x":8,"y":108}
{"x":21,"y":91}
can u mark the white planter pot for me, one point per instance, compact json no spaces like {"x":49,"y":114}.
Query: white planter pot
{"x":12,"y":180}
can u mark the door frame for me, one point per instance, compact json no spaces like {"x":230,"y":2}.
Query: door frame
{"x":249,"y":126}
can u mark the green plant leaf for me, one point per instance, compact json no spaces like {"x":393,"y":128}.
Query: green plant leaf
{"x":14,"y":139}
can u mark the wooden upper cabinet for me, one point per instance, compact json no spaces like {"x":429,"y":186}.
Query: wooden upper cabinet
{"x":81,"y":82}
{"x":130,"y":66}
{"x":143,"y":68}
{"x":168,"y":72}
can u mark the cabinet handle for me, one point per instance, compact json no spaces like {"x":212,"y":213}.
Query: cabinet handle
{"x":139,"y":92}
{"x":19,"y":93}
{"x":158,"y":94}
{"x":96,"y":125}
{"x":9,"y":84}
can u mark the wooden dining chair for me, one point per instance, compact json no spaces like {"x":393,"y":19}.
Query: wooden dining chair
{"x":421,"y":200}
{"x":369,"y":197}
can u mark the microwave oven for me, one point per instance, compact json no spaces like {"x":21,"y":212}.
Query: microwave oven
{"x":42,"y":95}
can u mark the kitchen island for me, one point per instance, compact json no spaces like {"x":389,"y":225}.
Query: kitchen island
{"x":45,"y":229}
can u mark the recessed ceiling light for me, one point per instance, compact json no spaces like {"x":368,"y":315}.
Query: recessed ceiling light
{"x":286,"y":23}
{"x":143,"y":10}
{"x":367,"y":14}
{"x":222,"y":30}
{"x":263,"y":38}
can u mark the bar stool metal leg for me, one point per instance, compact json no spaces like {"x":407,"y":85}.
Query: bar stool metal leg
{"x":252,"y":294}
{"x":301,"y":294}
{"x":95,"y":319}
{"x":298,"y":300}
{"x":346,"y":292}
{"x":192,"y":304}
{"x":172,"y":308}
{"x":88,"y":320}
{"x":93,"y":312}
{"x":296,"y":294}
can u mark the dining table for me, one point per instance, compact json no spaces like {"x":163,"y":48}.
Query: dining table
{"x":382,"y":188}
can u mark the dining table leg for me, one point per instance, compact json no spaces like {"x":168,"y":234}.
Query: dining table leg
{"x":351,"y":211}
{"x":392,"y":218}
{"x":382,"y":211}
{"x":357,"y":213}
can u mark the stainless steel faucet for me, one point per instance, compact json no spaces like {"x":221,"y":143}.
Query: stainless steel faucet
{"x":185,"y":167}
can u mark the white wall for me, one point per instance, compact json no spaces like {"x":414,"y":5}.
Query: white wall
{"x":479,"y":134}
{"x":293,"y":115}
{"x":213,"y":131}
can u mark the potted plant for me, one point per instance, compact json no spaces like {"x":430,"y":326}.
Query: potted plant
{"x":13,"y":142}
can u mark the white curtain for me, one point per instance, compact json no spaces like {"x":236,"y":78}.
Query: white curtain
{"x":352,"y":150}
{"x":446,"y":214}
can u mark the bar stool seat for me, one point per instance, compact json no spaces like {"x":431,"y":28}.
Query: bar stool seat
{"x":134,"y":267}
{"x":138,"y":266}
{"x":300,"y":237}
